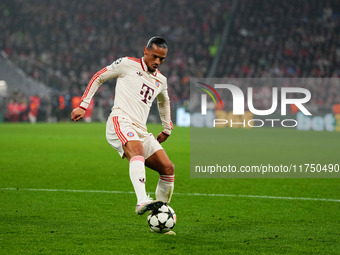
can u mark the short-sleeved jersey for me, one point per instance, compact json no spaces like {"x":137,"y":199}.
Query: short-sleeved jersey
{"x":136,"y":89}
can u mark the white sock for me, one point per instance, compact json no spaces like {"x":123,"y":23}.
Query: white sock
{"x":165,"y":188}
{"x":137,"y":176}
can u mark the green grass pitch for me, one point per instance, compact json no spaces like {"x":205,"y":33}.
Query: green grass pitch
{"x":54,"y":208}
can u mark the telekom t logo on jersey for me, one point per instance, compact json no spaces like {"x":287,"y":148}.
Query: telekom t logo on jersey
{"x":238,"y":100}
{"x":147,"y":92}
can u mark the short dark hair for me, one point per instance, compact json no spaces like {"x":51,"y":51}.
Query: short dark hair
{"x":159,"y":41}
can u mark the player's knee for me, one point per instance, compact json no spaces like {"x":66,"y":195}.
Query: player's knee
{"x":169,"y":169}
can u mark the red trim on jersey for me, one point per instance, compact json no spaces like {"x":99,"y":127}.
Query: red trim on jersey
{"x":82,"y":108}
{"x":167,"y":178}
{"x":137,"y":158}
{"x":92,"y":81}
{"x":119,"y":133}
{"x":154,"y":73}
{"x":138,"y":60}
{"x":172,"y":126}
{"x":141,"y":62}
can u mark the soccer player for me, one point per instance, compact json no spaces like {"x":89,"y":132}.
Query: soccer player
{"x":139,"y":83}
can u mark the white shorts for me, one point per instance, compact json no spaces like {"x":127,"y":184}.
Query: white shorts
{"x":120,"y":130}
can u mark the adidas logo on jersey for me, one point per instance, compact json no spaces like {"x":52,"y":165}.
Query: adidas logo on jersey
{"x":139,"y":73}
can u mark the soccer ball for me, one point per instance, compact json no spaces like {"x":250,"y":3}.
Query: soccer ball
{"x":162,"y":220}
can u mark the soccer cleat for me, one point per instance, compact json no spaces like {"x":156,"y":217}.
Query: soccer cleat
{"x":170,"y":232}
{"x":148,"y":206}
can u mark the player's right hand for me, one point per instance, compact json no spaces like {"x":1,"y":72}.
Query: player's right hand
{"x":77,"y":114}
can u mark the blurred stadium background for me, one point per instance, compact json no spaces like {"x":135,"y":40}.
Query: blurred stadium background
{"x":63,"y":190}
{"x":51,"y":49}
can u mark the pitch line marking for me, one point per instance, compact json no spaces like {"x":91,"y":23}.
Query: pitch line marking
{"x":178,"y":194}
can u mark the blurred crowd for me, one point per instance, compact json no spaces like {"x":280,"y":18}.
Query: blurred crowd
{"x":283,"y":39}
{"x":23,"y":109}
{"x":54,"y":108}
{"x":63,"y":43}
{"x":293,"y":39}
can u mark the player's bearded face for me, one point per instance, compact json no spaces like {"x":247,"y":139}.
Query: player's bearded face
{"x":154,"y":57}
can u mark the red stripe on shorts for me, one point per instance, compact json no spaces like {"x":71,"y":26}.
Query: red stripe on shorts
{"x":119,"y":133}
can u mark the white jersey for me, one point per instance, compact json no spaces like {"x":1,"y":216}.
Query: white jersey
{"x":136,"y":89}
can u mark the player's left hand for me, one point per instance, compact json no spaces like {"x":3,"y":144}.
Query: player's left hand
{"x":162,"y":137}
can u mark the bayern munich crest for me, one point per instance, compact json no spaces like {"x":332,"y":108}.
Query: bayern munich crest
{"x":157,"y":83}
{"x":130,"y":134}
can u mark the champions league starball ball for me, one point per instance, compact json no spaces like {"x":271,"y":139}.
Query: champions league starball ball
{"x":162,"y":220}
